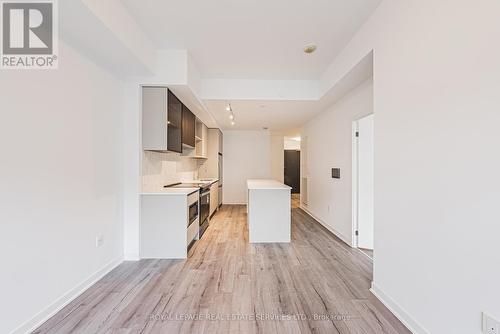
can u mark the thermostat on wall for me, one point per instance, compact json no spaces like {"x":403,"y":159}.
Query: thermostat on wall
{"x":336,"y":173}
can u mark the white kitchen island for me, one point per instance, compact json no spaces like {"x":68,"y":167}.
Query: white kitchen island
{"x":269,"y":215}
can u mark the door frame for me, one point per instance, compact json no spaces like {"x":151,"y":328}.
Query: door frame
{"x":355,"y":178}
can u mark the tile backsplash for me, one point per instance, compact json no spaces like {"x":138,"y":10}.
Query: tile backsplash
{"x":159,"y":169}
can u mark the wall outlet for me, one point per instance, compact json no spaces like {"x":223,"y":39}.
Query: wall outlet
{"x":99,"y":241}
{"x":490,"y":325}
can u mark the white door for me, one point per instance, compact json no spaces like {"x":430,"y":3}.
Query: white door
{"x":365,"y":182}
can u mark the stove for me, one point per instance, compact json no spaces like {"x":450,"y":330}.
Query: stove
{"x":201,"y":185}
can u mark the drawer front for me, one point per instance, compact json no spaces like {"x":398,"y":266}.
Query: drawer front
{"x":192,"y":231}
{"x":193,"y":198}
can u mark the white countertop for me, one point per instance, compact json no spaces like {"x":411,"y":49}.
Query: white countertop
{"x":266,"y":184}
{"x":172,"y":191}
{"x":177,"y":191}
{"x":207,"y":180}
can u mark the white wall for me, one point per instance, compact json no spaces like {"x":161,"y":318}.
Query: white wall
{"x":291,"y":144}
{"x":436,"y":84}
{"x":329,"y":138}
{"x":61,"y":176}
{"x":246,"y":156}
{"x":277,"y":157}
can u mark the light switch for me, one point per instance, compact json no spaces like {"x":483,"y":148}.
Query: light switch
{"x":336,"y":173}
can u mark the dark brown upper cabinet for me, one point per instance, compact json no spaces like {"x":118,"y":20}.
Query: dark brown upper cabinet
{"x":188,"y":127}
{"x":161,"y":120}
{"x":175,"y":113}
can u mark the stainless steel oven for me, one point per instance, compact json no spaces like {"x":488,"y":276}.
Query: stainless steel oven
{"x":193,"y":212}
{"x":204,"y":209}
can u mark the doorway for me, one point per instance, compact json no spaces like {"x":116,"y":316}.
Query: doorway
{"x":363,"y":156}
{"x":292,"y":170}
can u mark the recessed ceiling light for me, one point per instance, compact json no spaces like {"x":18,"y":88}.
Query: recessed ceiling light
{"x":231,"y":116}
{"x":228,"y":107}
{"x":232,"y":123}
{"x":309,"y":48}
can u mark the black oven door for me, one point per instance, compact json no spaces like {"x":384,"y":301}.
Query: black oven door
{"x":204,"y":211}
{"x":193,"y":212}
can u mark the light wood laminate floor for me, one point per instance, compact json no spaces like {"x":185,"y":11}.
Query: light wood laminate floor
{"x":316,"y":284}
{"x":367,"y":252}
{"x":295,"y":200}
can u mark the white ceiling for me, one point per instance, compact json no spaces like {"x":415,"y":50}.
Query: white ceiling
{"x":285,"y":116}
{"x":254,"y":39}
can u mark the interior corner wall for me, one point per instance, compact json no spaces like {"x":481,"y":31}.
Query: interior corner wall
{"x":436,"y":102}
{"x":132,"y":165}
{"x":246,"y":156}
{"x":277,"y":157}
{"x":329,"y":137}
{"x":61,"y":176}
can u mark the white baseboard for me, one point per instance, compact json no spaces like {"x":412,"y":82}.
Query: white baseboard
{"x":328,"y":227}
{"x":131,"y":257}
{"x":398,"y":311}
{"x":65,"y":299}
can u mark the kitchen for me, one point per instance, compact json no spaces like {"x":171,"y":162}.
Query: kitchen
{"x":182,"y":179}
{"x":182,"y":182}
